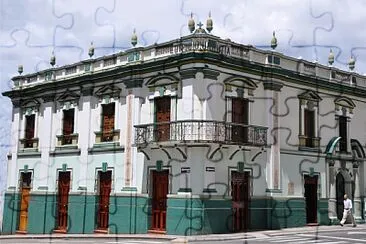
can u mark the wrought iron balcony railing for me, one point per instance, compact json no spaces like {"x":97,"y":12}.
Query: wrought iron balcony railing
{"x":201,"y":131}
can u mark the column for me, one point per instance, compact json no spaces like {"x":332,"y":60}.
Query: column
{"x":276,"y":147}
{"x":84,"y":131}
{"x":332,"y":201}
{"x":14,"y":144}
{"x":357,"y":204}
{"x":45,"y":136}
{"x":128,"y":144}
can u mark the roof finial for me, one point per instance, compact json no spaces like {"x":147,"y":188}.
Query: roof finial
{"x":20,"y":69}
{"x":209,"y":23}
{"x":134,"y":38}
{"x":351,"y":63}
{"x":274,"y":41}
{"x":191,"y":23}
{"x":53,"y":59}
{"x":331,"y":57}
{"x":91,"y":50}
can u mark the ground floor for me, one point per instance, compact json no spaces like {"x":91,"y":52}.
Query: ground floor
{"x":137,"y":213}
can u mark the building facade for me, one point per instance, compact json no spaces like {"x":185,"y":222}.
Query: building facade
{"x":193,"y":136}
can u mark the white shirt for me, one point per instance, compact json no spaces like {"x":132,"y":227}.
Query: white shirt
{"x":347,"y":204}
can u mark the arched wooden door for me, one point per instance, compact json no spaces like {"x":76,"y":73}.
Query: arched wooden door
{"x":105,"y":186}
{"x":160,"y":186}
{"x":63,"y":201}
{"x":240,"y":200}
{"x":340,"y":191}
{"x":25,"y":188}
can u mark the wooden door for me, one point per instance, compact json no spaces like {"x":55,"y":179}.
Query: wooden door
{"x":63,"y":200}
{"x":311,"y":198}
{"x":340,"y":191}
{"x":162,"y":118}
{"x":105,"y":186}
{"x":108,"y":122}
{"x":29,"y":130}
{"x":25,"y":188}
{"x":160,"y":185}
{"x":309,"y":127}
{"x":24,"y":204}
{"x":68,"y":126}
{"x":240,"y":200}
{"x":239,"y":120}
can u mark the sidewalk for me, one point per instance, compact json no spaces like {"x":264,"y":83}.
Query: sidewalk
{"x":186,"y":239}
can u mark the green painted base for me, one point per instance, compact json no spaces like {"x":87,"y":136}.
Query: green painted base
{"x":131,"y":213}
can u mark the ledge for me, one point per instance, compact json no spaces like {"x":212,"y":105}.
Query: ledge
{"x":66,"y":150}
{"x":31,"y":152}
{"x":106,"y":147}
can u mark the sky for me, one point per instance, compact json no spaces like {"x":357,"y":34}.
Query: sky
{"x":30,"y":30}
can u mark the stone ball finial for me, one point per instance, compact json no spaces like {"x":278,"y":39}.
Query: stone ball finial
{"x":191,"y":24}
{"x":331,"y":57}
{"x":91,"y":50}
{"x":134,"y":38}
{"x":351,"y":63}
{"x":209,"y":23}
{"x":274,"y":41}
{"x":53,"y":59}
{"x":20,"y":69}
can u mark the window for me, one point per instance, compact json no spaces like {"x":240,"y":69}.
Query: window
{"x":25,"y":180}
{"x":68,"y":126}
{"x":239,"y":120}
{"x":29,"y":130}
{"x":107,"y":122}
{"x":309,"y":126}
{"x":342,"y":123}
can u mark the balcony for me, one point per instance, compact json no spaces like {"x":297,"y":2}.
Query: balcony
{"x":28,"y":144}
{"x":201,"y":131}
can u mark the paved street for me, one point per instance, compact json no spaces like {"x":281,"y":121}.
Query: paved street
{"x":343,"y":235}
{"x":323,"y":235}
{"x":84,"y":241}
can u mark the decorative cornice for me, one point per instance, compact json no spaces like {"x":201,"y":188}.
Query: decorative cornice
{"x":87,"y":91}
{"x":48,"y":98}
{"x":188,"y":73}
{"x":272,"y":85}
{"x":133,"y":83}
{"x":210,"y":74}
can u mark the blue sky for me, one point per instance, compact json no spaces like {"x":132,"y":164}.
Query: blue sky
{"x":31,"y":29}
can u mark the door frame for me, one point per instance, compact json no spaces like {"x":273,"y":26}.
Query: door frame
{"x":250,"y":181}
{"x":149,"y":188}
{"x":318,"y":194}
{"x":57,"y":191}
{"x":20,"y":188}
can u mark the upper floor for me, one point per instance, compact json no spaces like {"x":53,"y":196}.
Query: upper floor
{"x":198,"y":89}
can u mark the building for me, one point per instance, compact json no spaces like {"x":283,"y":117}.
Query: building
{"x":193,"y":136}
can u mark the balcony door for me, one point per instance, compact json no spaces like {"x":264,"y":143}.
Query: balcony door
{"x":309,"y":127}
{"x":162,"y":118}
{"x":68,"y":126}
{"x":63,"y":201}
{"x":29,"y":130}
{"x":239,"y":120}
{"x":108,"y":114}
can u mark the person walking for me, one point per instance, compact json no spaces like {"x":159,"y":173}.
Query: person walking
{"x":347,"y":211}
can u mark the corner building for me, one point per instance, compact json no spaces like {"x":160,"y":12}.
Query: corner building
{"x":197,"y":135}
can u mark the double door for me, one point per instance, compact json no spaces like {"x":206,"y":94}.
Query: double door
{"x":240,"y":200}
{"x":160,"y":186}
{"x":63,"y":201}
{"x":105,"y":186}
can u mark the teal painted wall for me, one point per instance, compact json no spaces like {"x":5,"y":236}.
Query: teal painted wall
{"x":323,"y":212}
{"x":41,"y":213}
{"x":129,"y":214}
{"x":81,"y":214}
{"x":10,"y":213}
{"x":284,"y":213}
